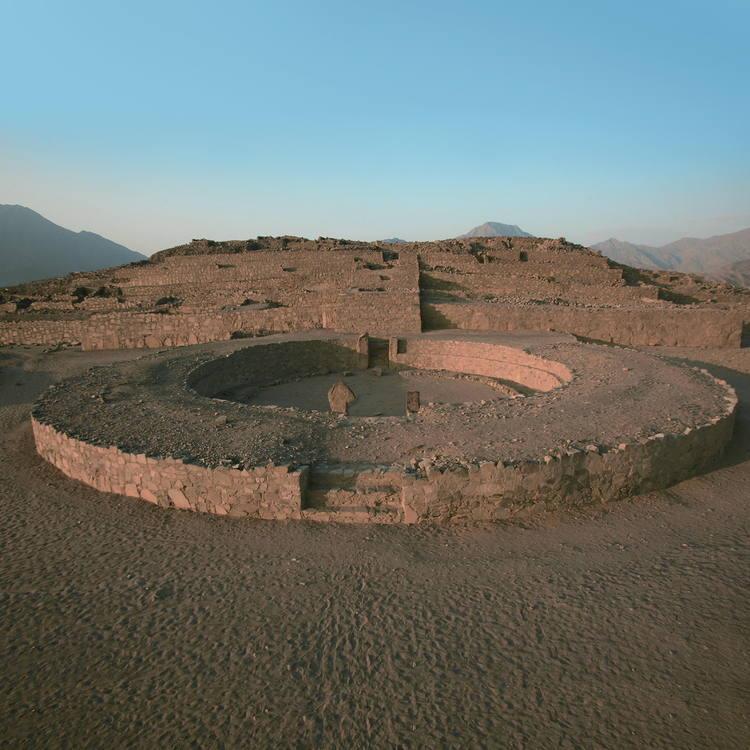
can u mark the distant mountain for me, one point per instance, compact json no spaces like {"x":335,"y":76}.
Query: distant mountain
{"x":31,"y":247}
{"x":725,"y":257}
{"x":740,"y":273}
{"x":393,"y":241}
{"x":639,"y":256}
{"x":496,"y":229}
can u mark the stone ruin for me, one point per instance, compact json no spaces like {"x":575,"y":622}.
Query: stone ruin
{"x":340,"y":395}
{"x":412,"y":402}
{"x":214,"y":291}
{"x":543,"y":323}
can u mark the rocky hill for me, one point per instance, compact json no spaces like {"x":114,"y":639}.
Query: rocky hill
{"x":496,"y":229}
{"x":32,"y":247}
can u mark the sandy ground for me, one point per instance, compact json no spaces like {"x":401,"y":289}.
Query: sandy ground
{"x":125,"y":625}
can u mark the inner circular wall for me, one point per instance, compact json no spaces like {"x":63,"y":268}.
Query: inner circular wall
{"x":272,"y":363}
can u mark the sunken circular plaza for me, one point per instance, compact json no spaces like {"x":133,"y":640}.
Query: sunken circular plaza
{"x":505,"y":424}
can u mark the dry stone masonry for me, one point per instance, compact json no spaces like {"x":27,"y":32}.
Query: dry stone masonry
{"x":214,"y":291}
{"x":579,"y":430}
{"x":572,"y":417}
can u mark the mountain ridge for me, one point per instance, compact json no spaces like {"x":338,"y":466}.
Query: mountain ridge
{"x":32,"y":247}
{"x":724,"y":257}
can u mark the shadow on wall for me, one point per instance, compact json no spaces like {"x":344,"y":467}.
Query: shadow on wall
{"x":271,"y":364}
{"x":433,"y":319}
{"x":440,"y":290}
{"x":675,"y":297}
{"x":444,"y":285}
{"x":738,"y":450}
{"x":638,"y":277}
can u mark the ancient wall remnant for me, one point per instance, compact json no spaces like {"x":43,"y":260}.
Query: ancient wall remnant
{"x":477,"y":357}
{"x":630,"y":327}
{"x":330,"y":476}
{"x":282,"y":361}
{"x":212,"y":291}
{"x":273,"y":492}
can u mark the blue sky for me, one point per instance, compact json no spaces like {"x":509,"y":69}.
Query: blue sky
{"x":155,"y":122}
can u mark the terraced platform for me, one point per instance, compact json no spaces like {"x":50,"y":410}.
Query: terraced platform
{"x":213,"y":291}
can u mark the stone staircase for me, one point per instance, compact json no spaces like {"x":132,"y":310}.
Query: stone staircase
{"x":351,"y":494}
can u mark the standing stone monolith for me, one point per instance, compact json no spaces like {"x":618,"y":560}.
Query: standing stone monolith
{"x":340,"y":395}
{"x":412,"y":402}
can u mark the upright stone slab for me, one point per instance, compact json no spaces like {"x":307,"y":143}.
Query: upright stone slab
{"x":412,"y":402}
{"x":340,"y":395}
{"x":363,"y":349}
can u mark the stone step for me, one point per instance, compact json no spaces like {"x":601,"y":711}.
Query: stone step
{"x":352,"y":514}
{"x":338,"y":498}
{"x":332,"y":479}
{"x":348,"y":476}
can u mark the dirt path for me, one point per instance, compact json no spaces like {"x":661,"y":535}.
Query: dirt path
{"x":124,"y":625}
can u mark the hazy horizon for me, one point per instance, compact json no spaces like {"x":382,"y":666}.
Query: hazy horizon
{"x":633,"y":236}
{"x":152,"y":125}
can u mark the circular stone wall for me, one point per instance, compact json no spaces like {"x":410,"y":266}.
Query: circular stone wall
{"x":591,"y":423}
{"x":299,"y":374}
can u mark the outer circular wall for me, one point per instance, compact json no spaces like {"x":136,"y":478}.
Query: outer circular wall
{"x":484,"y":490}
{"x":276,"y":492}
